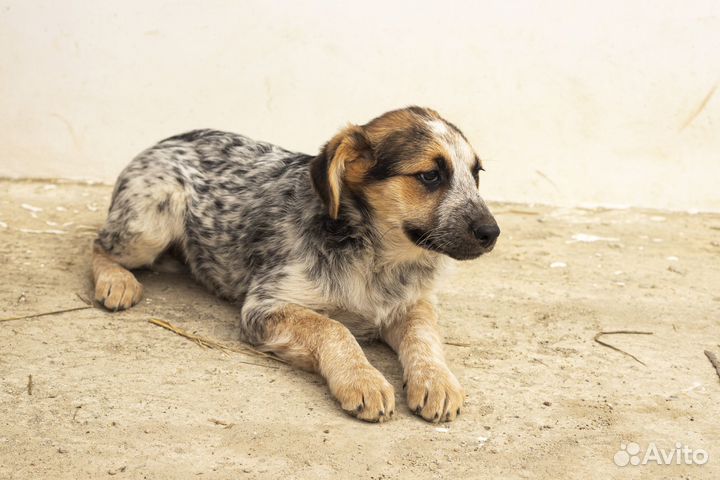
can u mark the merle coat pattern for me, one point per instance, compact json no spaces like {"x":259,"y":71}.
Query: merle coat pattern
{"x":311,"y":246}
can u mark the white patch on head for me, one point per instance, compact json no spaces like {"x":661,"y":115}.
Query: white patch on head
{"x":463,"y":157}
{"x":464,"y":188}
{"x":462,"y":152}
{"x":463,"y":161}
{"x":438,"y":127}
{"x":456,"y":145}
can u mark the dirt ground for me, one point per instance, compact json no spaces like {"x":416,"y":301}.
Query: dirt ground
{"x":115,"y":396}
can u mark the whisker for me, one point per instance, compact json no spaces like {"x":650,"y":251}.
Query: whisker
{"x":388,"y":231}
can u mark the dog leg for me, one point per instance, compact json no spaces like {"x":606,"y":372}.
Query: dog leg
{"x":146,"y":216}
{"x":115,"y":286}
{"x":432,"y":390}
{"x":317,"y":343}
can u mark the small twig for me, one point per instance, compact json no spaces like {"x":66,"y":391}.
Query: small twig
{"x":616,"y":332}
{"x":713,"y":360}
{"x":458,"y":344}
{"x":45,"y":314}
{"x":213,"y":344}
{"x":221,"y":423}
{"x":29,"y":385}
{"x":539,"y":361}
{"x":83,"y":299}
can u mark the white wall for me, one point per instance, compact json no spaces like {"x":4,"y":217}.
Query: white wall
{"x":569,"y":102}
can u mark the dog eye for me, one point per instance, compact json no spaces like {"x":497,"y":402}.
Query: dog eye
{"x":430,"y":178}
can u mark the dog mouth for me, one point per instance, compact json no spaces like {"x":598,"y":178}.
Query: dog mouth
{"x":457,"y":248}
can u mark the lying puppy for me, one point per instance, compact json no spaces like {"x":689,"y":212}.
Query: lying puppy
{"x":313,"y":247}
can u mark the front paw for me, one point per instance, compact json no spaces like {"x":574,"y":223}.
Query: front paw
{"x":434,"y":393}
{"x":117,"y":289}
{"x":364,"y":393}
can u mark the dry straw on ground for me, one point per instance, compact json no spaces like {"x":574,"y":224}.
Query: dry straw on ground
{"x":45,"y":314}
{"x":214,"y":344}
{"x":619,"y":332}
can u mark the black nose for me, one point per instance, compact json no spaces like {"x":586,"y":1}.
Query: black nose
{"x":486,"y":233}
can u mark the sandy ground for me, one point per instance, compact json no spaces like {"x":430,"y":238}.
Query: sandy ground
{"x":115,"y":396}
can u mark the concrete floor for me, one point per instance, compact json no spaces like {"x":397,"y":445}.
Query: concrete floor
{"x":115,"y":396}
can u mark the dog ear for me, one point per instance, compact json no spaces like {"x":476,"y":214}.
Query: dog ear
{"x":342,"y":160}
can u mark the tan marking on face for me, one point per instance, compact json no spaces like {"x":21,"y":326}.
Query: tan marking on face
{"x":398,"y":200}
{"x":413,"y":139}
{"x":397,"y":120}
{"x":426,"y":159}
{"x":437,"y":145}
{"x":401,"y":197}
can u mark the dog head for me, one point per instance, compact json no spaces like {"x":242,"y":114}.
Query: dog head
{"x":417,"y":175}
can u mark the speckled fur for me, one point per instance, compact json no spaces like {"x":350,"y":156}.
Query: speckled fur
{"x":246,"y":219}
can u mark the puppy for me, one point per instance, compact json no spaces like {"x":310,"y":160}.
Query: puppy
{"x":314,"y":250}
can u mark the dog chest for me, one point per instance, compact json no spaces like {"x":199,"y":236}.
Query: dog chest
{"x":356,"y":295}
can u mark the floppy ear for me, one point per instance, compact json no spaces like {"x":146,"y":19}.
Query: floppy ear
{"x":342,"y":159}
